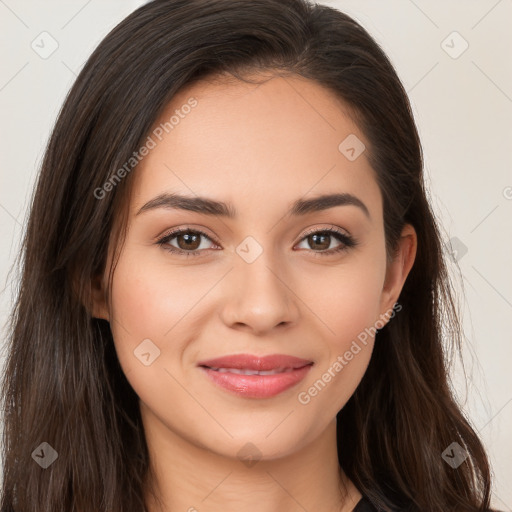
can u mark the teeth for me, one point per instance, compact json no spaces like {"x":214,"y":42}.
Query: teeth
{"x":252,"y":372}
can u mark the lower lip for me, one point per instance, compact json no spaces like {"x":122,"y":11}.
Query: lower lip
{"x":257,"y":386}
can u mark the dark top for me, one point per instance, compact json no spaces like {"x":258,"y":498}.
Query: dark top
{"x":363,"y":505}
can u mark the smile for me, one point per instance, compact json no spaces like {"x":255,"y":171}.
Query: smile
{"x":256,"y":376}
{"x":252,"y":372}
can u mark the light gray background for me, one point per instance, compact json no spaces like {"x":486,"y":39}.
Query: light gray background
{"x":463,"y":109}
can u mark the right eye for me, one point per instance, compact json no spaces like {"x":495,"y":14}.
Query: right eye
{"x":188,"y":241}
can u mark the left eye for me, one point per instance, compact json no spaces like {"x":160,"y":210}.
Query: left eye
{"x":189,"y":241}
{"x":323,"y":239}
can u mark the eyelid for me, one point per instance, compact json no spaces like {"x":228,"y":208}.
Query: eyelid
{"x":331,"y":227}
{"x":184,"y":228}
{"x":201,"y":230}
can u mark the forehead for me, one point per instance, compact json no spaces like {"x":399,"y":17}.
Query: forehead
{"x":248,"y":143}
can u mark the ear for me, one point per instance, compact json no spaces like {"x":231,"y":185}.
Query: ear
{"x":99,"y":301}
{"x":398,"y":269}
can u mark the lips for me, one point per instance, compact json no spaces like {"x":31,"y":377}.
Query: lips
{"x":256,"y":376}
{"x":256,"y":363}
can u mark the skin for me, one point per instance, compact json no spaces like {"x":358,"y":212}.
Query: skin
{"x":259,"y":147}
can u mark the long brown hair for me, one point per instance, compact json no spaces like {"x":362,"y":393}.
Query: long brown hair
{"x":63,"y":384}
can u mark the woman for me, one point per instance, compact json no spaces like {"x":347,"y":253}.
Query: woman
{"x":296,"y":361}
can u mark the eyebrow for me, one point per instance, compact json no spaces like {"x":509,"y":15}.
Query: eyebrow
{"x":208,"y":206}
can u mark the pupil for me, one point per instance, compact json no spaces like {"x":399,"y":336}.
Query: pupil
{"x":325,"y":245}
{"x":189,"y":240}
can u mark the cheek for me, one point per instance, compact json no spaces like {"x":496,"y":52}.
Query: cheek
{"x":167,"y":305}
{"x":150,"y":303}
{"x":347,"y":301}
{"x":146,"y":305}
{"x":149,"y":297}
{"x":345,"y":353}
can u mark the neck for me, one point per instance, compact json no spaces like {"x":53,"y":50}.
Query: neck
{"x":192,"y":478}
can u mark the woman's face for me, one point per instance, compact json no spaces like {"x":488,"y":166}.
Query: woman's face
{"x":267,"y":280}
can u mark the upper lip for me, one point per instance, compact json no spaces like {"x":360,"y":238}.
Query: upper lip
{"x":256,"y":363}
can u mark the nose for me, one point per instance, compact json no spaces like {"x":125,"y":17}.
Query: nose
{"x":258,"y":297}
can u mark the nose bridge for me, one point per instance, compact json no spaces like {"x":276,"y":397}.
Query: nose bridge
{"x":260,"y":297}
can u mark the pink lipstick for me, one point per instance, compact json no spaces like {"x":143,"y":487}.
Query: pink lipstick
{"x":256,"y":376}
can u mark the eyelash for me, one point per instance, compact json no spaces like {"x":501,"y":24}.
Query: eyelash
{"x":347,"y":241}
